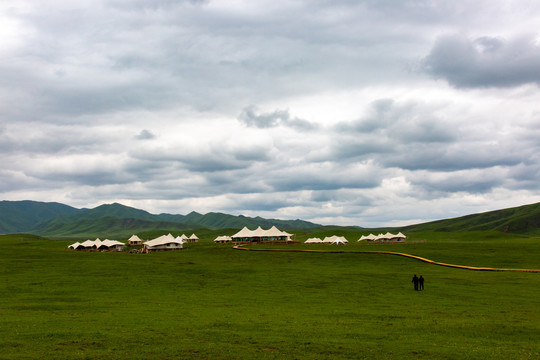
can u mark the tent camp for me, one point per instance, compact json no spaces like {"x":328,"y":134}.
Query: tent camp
{"x":313,"y":241}
{"x":164,"y":242}
{"x":223,"y":239}
{"x":98,"y":245}
{"x":261,"y":235}
{"x":135,"y":240}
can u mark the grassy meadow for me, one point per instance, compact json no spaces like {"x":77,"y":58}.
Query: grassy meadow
{"x":209,"y":301}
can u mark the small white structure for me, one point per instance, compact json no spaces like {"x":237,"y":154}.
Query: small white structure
{"x":98,"y":245}
{"x":340,"y":240}
{"x":184,"y":238}
{"x":223,"y":239}
{"x":164,"y":242}
{"x":335,"y":240}
{"x":193,"y":238}
{"x":134,"y":240}
{"x":313,"y":241}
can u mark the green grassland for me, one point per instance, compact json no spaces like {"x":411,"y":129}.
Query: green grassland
{"x":209,"y":301}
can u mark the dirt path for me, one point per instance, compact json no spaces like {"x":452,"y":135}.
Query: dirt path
{"x":242,"y":247}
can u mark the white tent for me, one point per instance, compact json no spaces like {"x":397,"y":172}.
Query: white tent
{"x":222,"y":239}
{"x":370,"y":237}
{"x":313,"y":241}
{"x":98,"y":244}
{"x":184,"y":238}
{"x":328,"y":239}
{"x":134,"y":240}
{"x":244,"y":233}
{"x":339,"y":240}
{"x":259,"y":234}
{"x":88,"y":244}
{"x":74,"y":246}
{"x":193,"y":238}
{"x":164,"y":242}
{"x":111,"y":244}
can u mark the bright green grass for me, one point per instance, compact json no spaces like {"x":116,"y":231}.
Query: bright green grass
{"x":211,"y":302}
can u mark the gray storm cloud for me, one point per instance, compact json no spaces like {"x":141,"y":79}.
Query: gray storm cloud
{"x":250,"y":118}
{"x":485,"y":61}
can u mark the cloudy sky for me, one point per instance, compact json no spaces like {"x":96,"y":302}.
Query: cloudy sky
{"x":363,"y":113}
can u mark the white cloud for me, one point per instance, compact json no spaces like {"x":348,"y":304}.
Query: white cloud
{"x":357,"y":112}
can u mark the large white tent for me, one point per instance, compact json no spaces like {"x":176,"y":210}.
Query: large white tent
{"x":259,"y":234}
{"x":164,"y":242}
{"x":98,"y":245}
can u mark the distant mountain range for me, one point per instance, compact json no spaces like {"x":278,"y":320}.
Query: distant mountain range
{"x":58,"y":220}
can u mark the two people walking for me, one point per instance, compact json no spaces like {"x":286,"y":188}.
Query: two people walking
{"x":418,"y":282}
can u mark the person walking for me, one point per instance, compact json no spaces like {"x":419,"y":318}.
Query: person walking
{"x":415,"y":282}
{"x":421,"y":283}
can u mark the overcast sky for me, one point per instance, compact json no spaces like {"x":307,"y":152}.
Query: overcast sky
{"x":367,"y":113}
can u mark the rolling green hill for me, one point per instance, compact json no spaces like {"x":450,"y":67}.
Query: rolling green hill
{"x":21,"y":216}
{"x":119,"y":220}
{"x":58,"y":220}
{"x":518,"y":220}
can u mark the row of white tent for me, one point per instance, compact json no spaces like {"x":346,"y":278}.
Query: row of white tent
{"x":336,"y":240}
{"x":383,"y":237}
{"x":259,"y":234}
{"x":97,"y":244}
{"x":135,"y":240}
{"x":164,"y":242}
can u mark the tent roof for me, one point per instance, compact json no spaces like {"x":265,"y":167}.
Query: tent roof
{"x":193,"y":236}
{"x":109,"y":243}
{"x":163,"y":240}
{"x":245,"y":232}
{"x":88,"y":243}
{"x":134,"y":238}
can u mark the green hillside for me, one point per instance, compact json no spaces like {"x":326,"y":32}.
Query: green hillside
{"x":58,"y":220}
{"x":21,"y":216}
{"x":518,"y":220}
{"x":119,"y":220}
{"x":105,"y":227}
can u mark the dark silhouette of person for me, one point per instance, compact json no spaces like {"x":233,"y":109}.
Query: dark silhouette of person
{"x":421,"y":283}
{"x":415,"y":282}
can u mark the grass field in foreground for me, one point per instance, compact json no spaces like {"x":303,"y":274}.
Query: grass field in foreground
{"x":208,"y":301}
